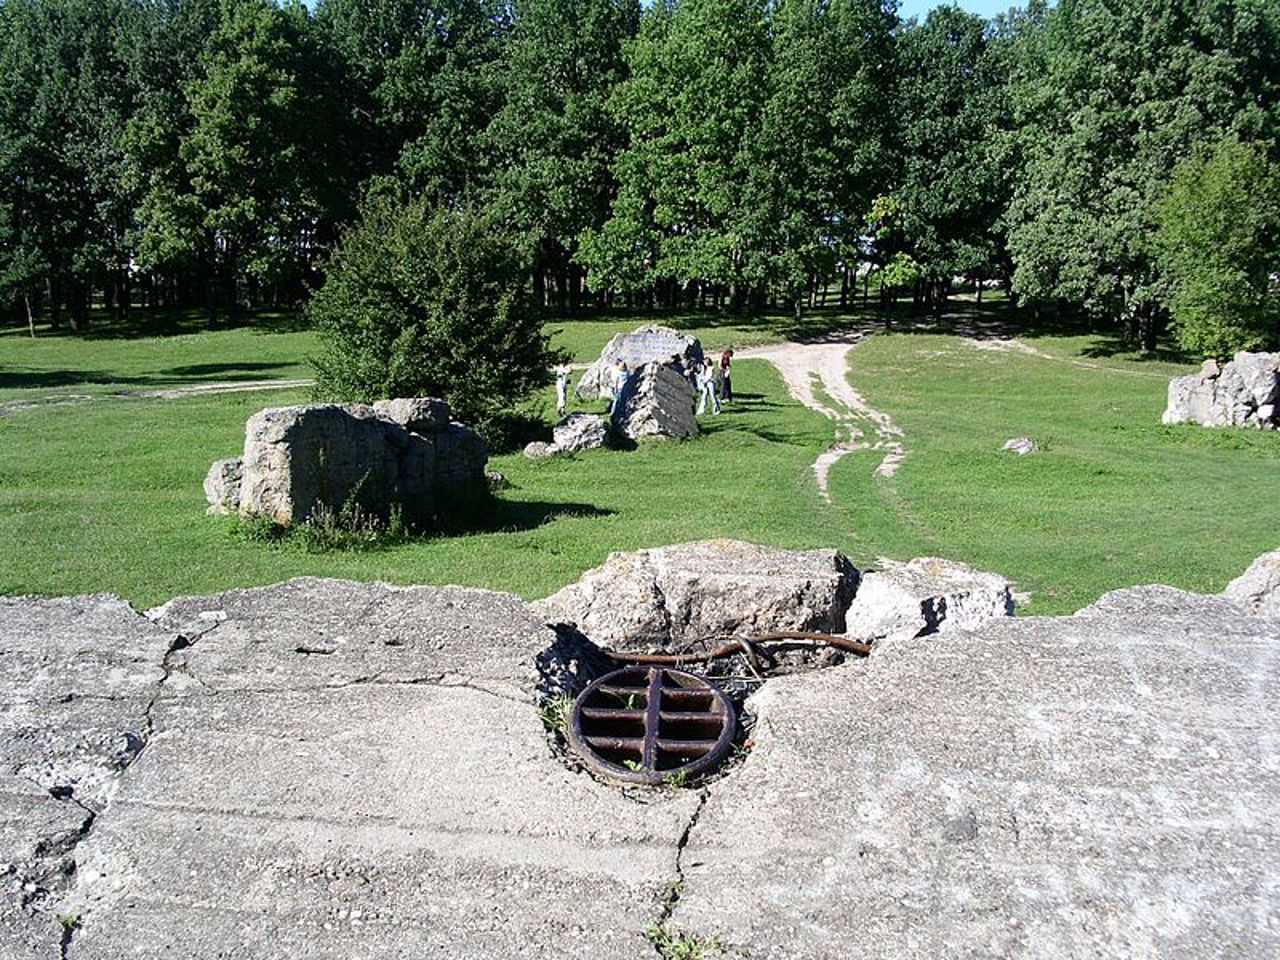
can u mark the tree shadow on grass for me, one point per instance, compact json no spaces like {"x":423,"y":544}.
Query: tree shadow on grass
{"x":502,"y":515}
{"x":1114,"y":346}
{"x":201,"y":370}
{"x":25,"y":378}
{"x":143,"y":322}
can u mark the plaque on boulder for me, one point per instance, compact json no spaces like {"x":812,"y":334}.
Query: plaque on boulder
{"x":645,"y":345}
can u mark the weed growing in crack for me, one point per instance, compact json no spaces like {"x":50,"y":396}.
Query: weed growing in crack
{"x":673,"y":945}
{"x":555,"y":713}
{"x":677,"y":780}
{"x":68,"y":921}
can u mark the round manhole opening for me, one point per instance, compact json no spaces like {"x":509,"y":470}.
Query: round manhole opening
{"x":651,"y":724}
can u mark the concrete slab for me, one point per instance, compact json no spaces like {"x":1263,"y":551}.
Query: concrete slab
{"x":346,"y":770}
{"x":325,"y":769}
{"x":1104,"y":785}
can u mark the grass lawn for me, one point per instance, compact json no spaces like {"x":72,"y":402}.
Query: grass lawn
{"x":181,"y":351}
{"x":1113,"y":498}
{"x":105,"y":495}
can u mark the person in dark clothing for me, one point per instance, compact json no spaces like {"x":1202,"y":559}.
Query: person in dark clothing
{"x":726,"y":384}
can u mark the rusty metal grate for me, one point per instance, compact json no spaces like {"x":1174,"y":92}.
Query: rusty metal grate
{"x":649,"y":724}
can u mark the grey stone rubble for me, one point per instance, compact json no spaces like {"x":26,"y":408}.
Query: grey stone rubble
{"x":926,"y":595}
{"x":222,"y":485}
{"x":404,"y":452}
{"x":639,"y":347}
{"x":573,"y":434}
{"x":686,"y":593}
{"x":683,"y":594}
{"x":1245,"y":392}
{"x":1021,"y":446}
{"x":657,"y":401}
{"x":1258,"y":588}
{"x":339,"y":770}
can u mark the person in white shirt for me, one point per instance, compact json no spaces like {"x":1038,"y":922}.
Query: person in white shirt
{"x":705,"y":377}
{"x":562,"y":387}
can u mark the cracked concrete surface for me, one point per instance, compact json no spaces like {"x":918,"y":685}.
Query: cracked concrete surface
{"x":337,"y":770}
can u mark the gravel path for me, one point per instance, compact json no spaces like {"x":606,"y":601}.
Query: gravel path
{"x":817,"y":374}
{"x":173,"y":393}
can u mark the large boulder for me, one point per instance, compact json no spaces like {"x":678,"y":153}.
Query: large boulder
{"x":687,"y":593}
{"x":641,"y":346}
{"x":1258,"y":588}
{"x":926,"y":595}
{"x":657,"y":401}
{"x":1244,"y":392}
{"x":403,"y":453}
{"x":222,"y":485}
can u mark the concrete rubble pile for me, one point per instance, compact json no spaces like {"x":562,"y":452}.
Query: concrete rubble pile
{"x":573,"y":434}
{"x":405,"y":453}
{"x":1245,"y":392}
{"x":350,"y":771}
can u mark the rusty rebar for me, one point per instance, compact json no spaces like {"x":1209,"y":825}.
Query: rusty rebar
{"x":741,"y":645}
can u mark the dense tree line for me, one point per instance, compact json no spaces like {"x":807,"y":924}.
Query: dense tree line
{"x":718,"y":153}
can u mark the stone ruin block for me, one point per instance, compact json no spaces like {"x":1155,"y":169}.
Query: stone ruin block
{"x":1245,"y":392}
{"x":403,"y":453}
{"x":652,"y":344}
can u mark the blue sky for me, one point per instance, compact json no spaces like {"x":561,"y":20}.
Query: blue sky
{"x":986,"y":8}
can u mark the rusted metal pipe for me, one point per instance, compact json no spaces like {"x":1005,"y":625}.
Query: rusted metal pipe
{"x":740,"y":645}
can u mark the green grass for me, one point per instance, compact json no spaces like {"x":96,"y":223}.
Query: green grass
{"x":106,"y":495}
{"x":1113,"y":499}
{"x":49,"y":365}
{"x":178,"y":349}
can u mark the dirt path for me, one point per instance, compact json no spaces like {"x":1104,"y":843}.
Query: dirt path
{"x":173,"y":393}
{"x":1011,"y":345}
{"x":816,"y":374}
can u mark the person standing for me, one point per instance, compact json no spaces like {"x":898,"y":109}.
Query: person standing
{"x":617,"y":382}
{"x":726,"y":384}
{"x":705,"y":376}
{"x":562,"y":388}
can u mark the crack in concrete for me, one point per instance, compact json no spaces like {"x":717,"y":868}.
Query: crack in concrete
{"x":671,"y":897}
{"x":180,"y":642}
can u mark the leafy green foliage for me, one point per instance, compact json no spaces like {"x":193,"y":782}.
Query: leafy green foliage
{"x":423,"y":301}
{"x":1107,"y":99}
{"x":1219,"y":246}
{"x":951,"y":191}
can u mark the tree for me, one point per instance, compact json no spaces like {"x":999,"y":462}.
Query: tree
{"x":421,"y":300}
{"x":1109,"y":97}
{"x":699,"y":75}
{"x":424,"y":81}
{"x":1219,"y":248}
{"x":553,"y":142}
{"x":822,"y":152}
{"x":62,"y":106}
{"x":951,"y":189}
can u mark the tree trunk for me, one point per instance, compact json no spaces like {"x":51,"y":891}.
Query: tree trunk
{"x":31,"y":320}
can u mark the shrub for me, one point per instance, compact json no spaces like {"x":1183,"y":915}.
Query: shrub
{"x":1219,"y":247}
{"x":424,"y":301}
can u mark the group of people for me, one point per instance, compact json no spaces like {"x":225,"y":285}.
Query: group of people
{"x":713,"y":389}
